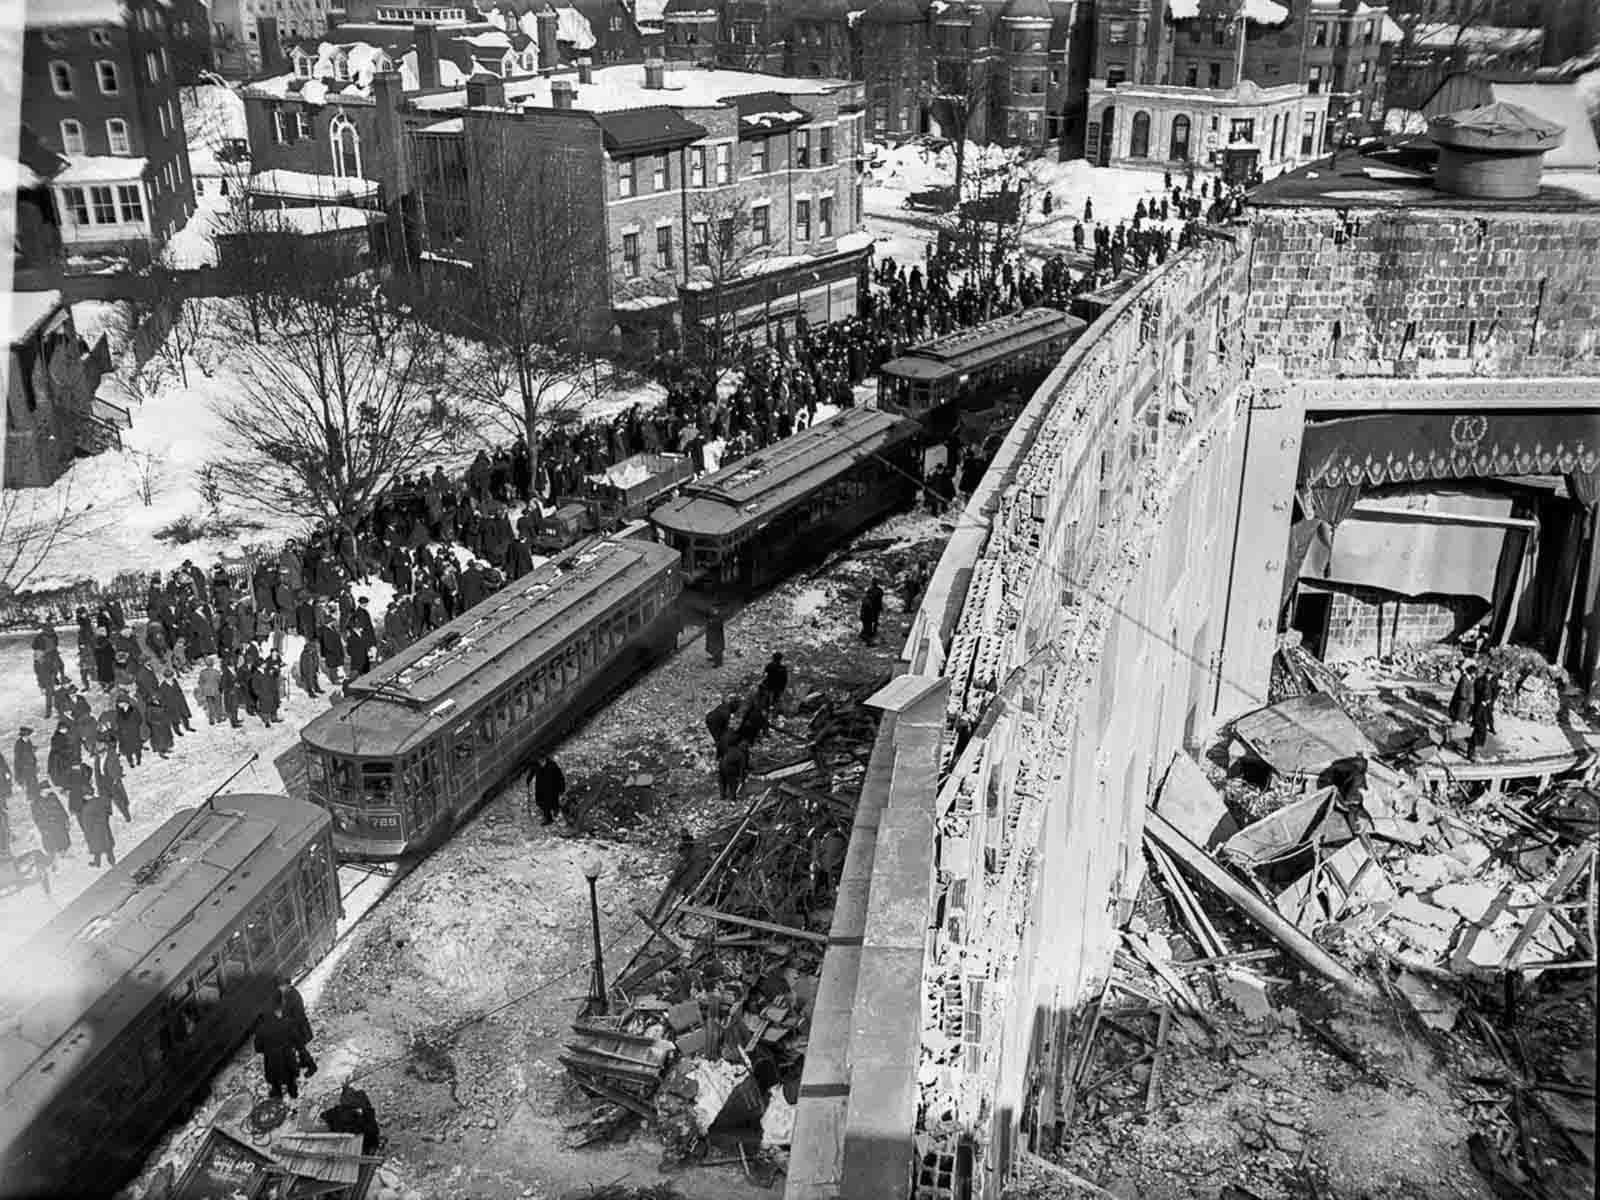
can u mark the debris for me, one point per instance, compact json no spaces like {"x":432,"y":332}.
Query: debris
{"x":1435,"y":1007}
{"x":1280,"y":930}
{"x":1287,"y":832}
{"x":1303,"y":736}
{"x":1188,"y":800}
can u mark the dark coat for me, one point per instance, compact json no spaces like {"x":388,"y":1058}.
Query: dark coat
{"x":548,"y":784}
{"x":160,"y":723}
{"x":716,"y":639}
{"x":1461,"y":702}
{"x":26,"y":762}
{"x":173,"y":699}
{"x":129,"y":735}
{"x":294,"y":1008}
{"x":279,"y":1043}
{"x":95,"y":821}
{"x":50,"y":819}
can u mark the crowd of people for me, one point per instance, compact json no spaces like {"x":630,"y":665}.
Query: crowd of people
{"x":442,"y":544}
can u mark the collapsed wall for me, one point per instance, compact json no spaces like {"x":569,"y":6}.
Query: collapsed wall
{"x":1110,"y":593}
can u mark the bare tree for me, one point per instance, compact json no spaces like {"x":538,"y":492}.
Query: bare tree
{"x":34,"y":523}
{"x":149,"y":472}
{"x":337,"y":400}
{"x":188,"y":338}
{"x":963,"y":91}
{"x":531,"y":248}
{"x":985,"y":229}
{"x":723,"y":247}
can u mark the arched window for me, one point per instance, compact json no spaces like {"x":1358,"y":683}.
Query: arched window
{"x":71,"y":136}
{"x":1180,"y":139}
{"x":1272,"y":146}
{"x":508,"y":64}
{"x":1139,"y":136}
{"x":346,"y":148}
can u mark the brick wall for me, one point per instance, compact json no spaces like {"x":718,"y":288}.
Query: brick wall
{"x":1425,"y":293}
{"x":313,"y":152}
{"x":1370,"y":623}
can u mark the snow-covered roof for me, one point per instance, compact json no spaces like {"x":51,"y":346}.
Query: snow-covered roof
{"x":1560,"y":104}
{"x":621,"y":87}
{"x":574,"y":29}
{"x":1263,"y":12}
{"x":305,"y":185}
{"x":213,"y":114}
{"x":448,"y":125}
{"x":649,"y":12}
{"x":54,"y":14}
{"x":319,"y":219}
{"x":29,"y":310}
{"x":1182,"y":10}
{"x":1390,"y":34}
{"x":1442,"y":35}
{"x":450,"y":75}
{"x":17,"y":176}
{"x":101,"y":168}
{"x":488,"y":41}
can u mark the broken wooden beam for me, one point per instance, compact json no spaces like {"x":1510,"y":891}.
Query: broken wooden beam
{"x":711,"y":914}
{"x":1212,"y":874}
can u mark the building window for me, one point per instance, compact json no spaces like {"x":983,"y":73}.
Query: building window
{"x":1366,"y":34}
{"x":280,"y":133}
{"x":761,"y":224}
{"x":824,"y":147}
{"x":700,"y":241}
{"x":1055,"y":78}
{"x":346,"y":148}
{"x":697,"y":166}
{"x":99,"y":37}
{"x":625,"y":177}
{"x":802,"y":220}
{"x":661,"y":178}
{"x":1319,"y":33}
{"x":1314,"y":80}
{"x":1214,"y":75}
{"x":152,"y":65}
{"x":1117,"y":33}
{"x":880,"y":118}
{"x":1241,"y":129}
{"x":758,"y":156}
{"x":1364,"y":73}
{"x":1179,"y":151}
{"x":1308,"y":135}
{"x":630,"y":255}
{"x":802,"y":148}
{"x":1219,"y":33}
{"x":825,"y":217}
{"x":161,"y":118}
{"x":1116,"y":73}
{"x":302,"y":65}
{"x":131,"y":203}
{"x":106,"y":73}
{"x":75,"y":203}
{"x":302,"y":124}
{"x":664,"y":247}
{"x":341,"y":67}
{"x":105,"y":205}
{"x":1272,"y":145}
{"x":724,"y":153}
{"x":1139,"y":136}
{"x":61,"y":78}
{"x":71,"y":137}
{"x":117,"y":135}
{"x":1191,"y":75}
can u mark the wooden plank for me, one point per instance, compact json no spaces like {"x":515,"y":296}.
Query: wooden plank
{"x":1158,"y":1056}
{"x":616,"y":1097}
{"x":1222,"y":960}
{"x":711,"y":914}
{"x":1577,"y":860}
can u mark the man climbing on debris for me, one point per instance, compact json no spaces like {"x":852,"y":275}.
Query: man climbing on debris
{"x":549,"y":785}
{"x":1462,"y":702}
{"x":774,"y":681}
{"x":750,"y":723}
{"x":719,"y":720}
{"x":871,"y":610}
{"x":731,"y":768}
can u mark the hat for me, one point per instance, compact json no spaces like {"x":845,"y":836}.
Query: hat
{"x":363,"y":600}
{"x":25,"y":730}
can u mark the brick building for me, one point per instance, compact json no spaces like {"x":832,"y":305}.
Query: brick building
{"x":716,"y":197}
{"x":1333,"y":51}
{"x":236,"y":37}
{"x":98,"y":90}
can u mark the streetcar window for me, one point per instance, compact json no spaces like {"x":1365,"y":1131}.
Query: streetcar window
{"x":486,"y":729}
{"x":235,"y":961}
{"x":586,"y":649}
{"x":208,"y":986}
{"x":520,"y":698}
{"x":258,"y":936}
{"x":569,"y":667}
{"x":502,"y":718}
{"x":377,"y":779}
{"x":536,"y":689}
{"x":635,"y":621}
{"x":285,"y":925}
{"x":316,"y":768}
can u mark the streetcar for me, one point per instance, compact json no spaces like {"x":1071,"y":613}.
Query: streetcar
{"x":962,"y":382}
{"x":118,"y":1012}
{"x":754,"y":520}
{"x":428,"y":733}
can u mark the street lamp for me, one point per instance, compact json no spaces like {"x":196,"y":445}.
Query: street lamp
{"x":596,"y":1005}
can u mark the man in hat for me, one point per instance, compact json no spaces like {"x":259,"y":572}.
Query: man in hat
{"x":25,"y":761}
{"x":94,"y":818}
{"x":549,"y":785}
{"x":50,"y":819}
{"x":208,"y":690}
{"x":108,"y":776}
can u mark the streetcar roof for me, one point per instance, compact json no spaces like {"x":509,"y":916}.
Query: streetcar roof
{"x":910,"y":367}
{"x":408,"y":696}
{"x":986,"y":343}
{"x":755,"y":488}
{"x":138,"y":928}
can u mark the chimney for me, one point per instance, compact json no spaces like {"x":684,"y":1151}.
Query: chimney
{"x":486,"y":91}
{"x":655,"y":74}
{"x":562,"y":93}
{"x":386,"y":91}
{"x":1493,"y":152}
{"x":426,"y":39}
{"x":271,"y":44}
{"x":586,"y":69}
{"x":547,"y":23}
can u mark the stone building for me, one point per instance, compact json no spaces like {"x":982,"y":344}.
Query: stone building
{"x":98,"y":90}
{"x":712,"y":196}
{"x":1366,"y":361}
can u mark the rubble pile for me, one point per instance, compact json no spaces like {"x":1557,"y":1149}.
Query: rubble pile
{"x":705,"y":1028}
